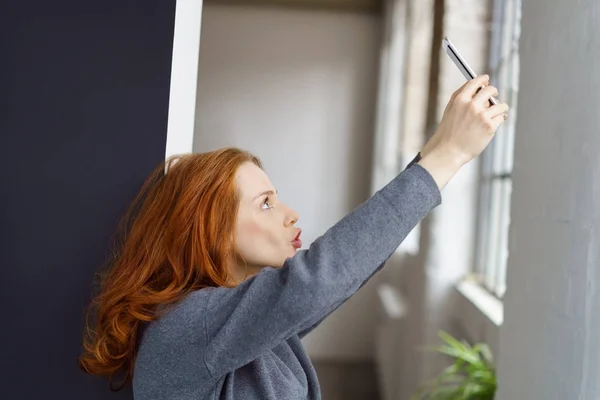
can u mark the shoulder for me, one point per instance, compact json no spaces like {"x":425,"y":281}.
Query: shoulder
{"x":182,"y":319}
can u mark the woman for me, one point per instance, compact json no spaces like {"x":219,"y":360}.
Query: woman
{"x":208,"y":296}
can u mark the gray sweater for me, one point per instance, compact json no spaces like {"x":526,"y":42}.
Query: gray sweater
{"x":245,"y":342}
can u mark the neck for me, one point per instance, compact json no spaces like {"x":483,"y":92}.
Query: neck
{"x":240,"y":273}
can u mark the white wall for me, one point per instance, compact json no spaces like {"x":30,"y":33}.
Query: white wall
{"x":549,"y":341}
{"x":297,"y":88}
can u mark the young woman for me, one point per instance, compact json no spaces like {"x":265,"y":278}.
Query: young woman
{"x":208,"y":296}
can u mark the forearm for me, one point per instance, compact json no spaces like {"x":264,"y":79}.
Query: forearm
{"x":442,"y":166}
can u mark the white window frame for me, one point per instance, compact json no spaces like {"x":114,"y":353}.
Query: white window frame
{"x":493,"y":218}
{"x":184,"y":77}
{"x":479,"y":307}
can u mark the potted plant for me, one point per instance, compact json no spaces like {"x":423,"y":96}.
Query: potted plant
{"x":472,"y":376}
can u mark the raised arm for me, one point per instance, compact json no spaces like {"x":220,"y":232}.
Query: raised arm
{"x":243,"y":322}
{"x":326,"y":312}
{"x":236,"y":325}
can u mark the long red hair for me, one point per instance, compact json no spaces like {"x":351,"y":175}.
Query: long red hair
{"x":176,"y":238}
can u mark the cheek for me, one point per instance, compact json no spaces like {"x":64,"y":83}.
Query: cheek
{"x":248,"y":229}
{"x":250,"y":234}
{"x":256,"y":238}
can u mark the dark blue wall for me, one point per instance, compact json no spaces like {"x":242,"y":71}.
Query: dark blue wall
{"x":84,"y":88}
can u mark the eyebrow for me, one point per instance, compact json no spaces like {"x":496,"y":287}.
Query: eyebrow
{"x":266,"y":192}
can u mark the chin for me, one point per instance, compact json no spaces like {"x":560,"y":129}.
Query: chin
{"x":281,"y":263}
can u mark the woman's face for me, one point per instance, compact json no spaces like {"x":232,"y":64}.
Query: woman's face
{"x":265,"y":232}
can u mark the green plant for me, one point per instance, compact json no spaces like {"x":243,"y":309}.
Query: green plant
{"x":472,"y":376}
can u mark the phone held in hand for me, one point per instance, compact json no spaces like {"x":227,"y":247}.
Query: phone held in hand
{"x":460,"y":63}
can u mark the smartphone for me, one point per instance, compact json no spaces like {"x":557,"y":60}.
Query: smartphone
{"x":460,"y":63}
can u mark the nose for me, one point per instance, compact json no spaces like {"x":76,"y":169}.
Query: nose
{"x":291,"y":217}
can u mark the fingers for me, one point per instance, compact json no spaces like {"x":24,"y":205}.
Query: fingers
{"x":467,"y":91}
{"x":457,"y":91}
{"x":482,"y":98}
{"x":470,"y":88}
{"x":497,"y":121}
{"x":497,"y":115}
{"x":497,"y":110}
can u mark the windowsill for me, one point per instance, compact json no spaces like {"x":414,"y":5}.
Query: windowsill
{"x":485,"y":302}
{"x":478,"y":313}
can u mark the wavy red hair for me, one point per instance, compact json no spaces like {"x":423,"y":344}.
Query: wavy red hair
{"x":176,"y":237}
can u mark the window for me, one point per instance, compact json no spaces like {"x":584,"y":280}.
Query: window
{"x":497,"y":161}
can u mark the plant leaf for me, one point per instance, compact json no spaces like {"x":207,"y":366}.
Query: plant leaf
{"x":450,"y":340}
{"x":471,"y":376}
{"x":460,"y":353}
{"x":486,"y":353}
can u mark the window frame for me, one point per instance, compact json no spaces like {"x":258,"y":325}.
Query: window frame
{"x":495,"y":180}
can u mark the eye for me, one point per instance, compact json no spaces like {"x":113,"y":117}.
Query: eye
{"x":266,"y":205}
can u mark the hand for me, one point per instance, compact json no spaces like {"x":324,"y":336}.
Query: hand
{"x":467,"y":127}
{"x":469,"y":123}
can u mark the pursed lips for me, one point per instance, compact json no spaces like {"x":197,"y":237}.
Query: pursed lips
{"x":296,"y":242}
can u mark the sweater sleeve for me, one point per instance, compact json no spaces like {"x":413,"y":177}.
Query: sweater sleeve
{"x":243,"y":322}
{"x":319,"y":318}
{"x":316,"y":321}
